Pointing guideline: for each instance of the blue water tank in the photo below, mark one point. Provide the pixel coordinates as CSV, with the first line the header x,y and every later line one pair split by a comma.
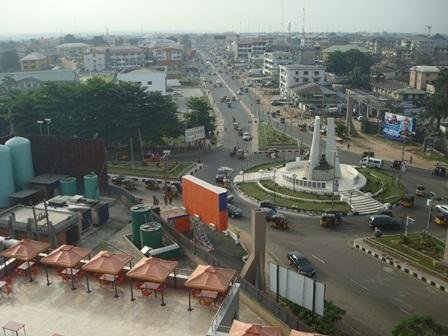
x,y
91,189
22,161
6,176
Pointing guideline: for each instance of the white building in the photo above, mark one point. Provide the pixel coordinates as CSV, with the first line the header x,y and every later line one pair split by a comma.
x,y
294,74
271,62
72,51
150,79
311,41
243,48
113,58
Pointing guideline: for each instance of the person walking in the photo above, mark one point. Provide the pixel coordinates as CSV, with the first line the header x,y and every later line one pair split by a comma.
x,y
348,146
155,200
410,159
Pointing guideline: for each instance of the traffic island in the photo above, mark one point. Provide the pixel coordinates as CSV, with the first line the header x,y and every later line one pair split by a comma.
x,y
418,254
383,187
268,137
173,170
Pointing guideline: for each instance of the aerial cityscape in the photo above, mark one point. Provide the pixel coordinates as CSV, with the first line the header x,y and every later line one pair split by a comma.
x,y
224,168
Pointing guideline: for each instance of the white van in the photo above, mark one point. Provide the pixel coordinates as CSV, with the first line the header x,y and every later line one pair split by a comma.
x,y
371,162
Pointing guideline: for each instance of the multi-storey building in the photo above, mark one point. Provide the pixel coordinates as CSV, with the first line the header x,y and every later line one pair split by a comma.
x,y
421,75
271,63
34,62
149,79
113,58
311,40
72,51
243,48
294,74
171,57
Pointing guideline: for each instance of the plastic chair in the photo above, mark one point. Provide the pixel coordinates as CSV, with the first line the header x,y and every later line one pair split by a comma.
x,y
195,293
34,270
138,284
8,280
146,293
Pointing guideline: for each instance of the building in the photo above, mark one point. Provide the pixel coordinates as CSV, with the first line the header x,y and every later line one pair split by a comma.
x,y
113,58
421,75
33,79
311,40
342,48
397,90
150,79
271,62
171,57
243,48
34,62
72,51
294,74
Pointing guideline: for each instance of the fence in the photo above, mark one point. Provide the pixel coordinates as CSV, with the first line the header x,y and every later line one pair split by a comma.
x,y
256,294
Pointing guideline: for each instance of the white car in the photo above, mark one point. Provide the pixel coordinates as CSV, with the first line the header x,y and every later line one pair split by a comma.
x,y
442,208
247,136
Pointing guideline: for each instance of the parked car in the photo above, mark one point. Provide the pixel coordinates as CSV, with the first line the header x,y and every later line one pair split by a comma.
x,y
303,265
230,197
443,208
247,136
234,212
276,103
384,222
361,118
118,180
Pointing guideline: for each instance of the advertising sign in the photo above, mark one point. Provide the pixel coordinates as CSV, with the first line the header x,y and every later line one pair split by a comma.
x,y
195,133
398,127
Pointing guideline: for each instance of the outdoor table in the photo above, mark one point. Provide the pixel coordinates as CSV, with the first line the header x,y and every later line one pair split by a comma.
x,y
207,294
25,265
13,326
107,277
150,285
68,271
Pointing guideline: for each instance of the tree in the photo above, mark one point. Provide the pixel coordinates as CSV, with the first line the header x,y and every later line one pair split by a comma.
x,y
417,325
96,108
97,41
437,107
70,38
353,64
341,129
200,114
10,60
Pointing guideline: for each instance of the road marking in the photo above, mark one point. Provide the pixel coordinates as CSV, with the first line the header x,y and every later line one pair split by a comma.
x,y
361,286
320,259
406,312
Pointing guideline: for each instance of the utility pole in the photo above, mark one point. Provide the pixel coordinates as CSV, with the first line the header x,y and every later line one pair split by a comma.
x,y
429,203
132,152
334,180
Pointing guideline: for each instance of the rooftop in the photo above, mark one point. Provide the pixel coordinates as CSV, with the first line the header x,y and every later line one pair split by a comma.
x,y
72,45
425,68
302,66
34,56
58,309
116,49
43,76
345,48
143,71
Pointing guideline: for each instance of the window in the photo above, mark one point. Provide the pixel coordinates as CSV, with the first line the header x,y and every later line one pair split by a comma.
x,y
297,72
305,72
316,73
297,80
305,79
316,80
149,82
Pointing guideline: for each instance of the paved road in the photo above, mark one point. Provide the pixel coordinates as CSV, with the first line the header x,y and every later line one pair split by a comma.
x,y
375,296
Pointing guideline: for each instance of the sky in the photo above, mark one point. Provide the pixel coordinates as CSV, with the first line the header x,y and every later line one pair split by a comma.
x,y
94,16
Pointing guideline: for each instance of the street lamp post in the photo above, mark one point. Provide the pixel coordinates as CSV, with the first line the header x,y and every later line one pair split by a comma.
x,y
334,179
40,122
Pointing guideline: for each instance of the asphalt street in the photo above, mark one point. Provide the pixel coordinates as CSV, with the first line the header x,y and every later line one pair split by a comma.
x,y
374,295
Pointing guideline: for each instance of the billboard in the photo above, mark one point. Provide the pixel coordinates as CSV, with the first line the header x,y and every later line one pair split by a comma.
x,y
398,127
297,288
195,133
205,200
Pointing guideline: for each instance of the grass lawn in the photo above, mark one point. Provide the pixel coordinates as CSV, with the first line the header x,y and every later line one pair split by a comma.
x,y
174,171
392,192
253,190
265,166
424,249
286,191
269,137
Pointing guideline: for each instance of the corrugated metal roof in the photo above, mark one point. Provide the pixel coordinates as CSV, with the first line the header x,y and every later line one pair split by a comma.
x,y
34,56
43,76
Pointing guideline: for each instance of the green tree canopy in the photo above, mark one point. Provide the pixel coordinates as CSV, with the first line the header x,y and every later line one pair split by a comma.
x,y
200,114
437,106
97,108
353,64
417,325
10,60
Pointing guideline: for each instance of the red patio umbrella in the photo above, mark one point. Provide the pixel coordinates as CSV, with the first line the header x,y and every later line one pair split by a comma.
x,y
239,328
106,262
67,256
25,250
153,270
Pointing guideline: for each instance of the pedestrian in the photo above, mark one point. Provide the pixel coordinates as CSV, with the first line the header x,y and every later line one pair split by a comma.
x,y
348,146
170,197
410,159
155,200
165,197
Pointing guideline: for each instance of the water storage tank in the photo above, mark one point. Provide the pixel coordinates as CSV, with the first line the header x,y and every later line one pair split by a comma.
x,y
22,161
6,176
91,189
67,186
140,214
151,234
